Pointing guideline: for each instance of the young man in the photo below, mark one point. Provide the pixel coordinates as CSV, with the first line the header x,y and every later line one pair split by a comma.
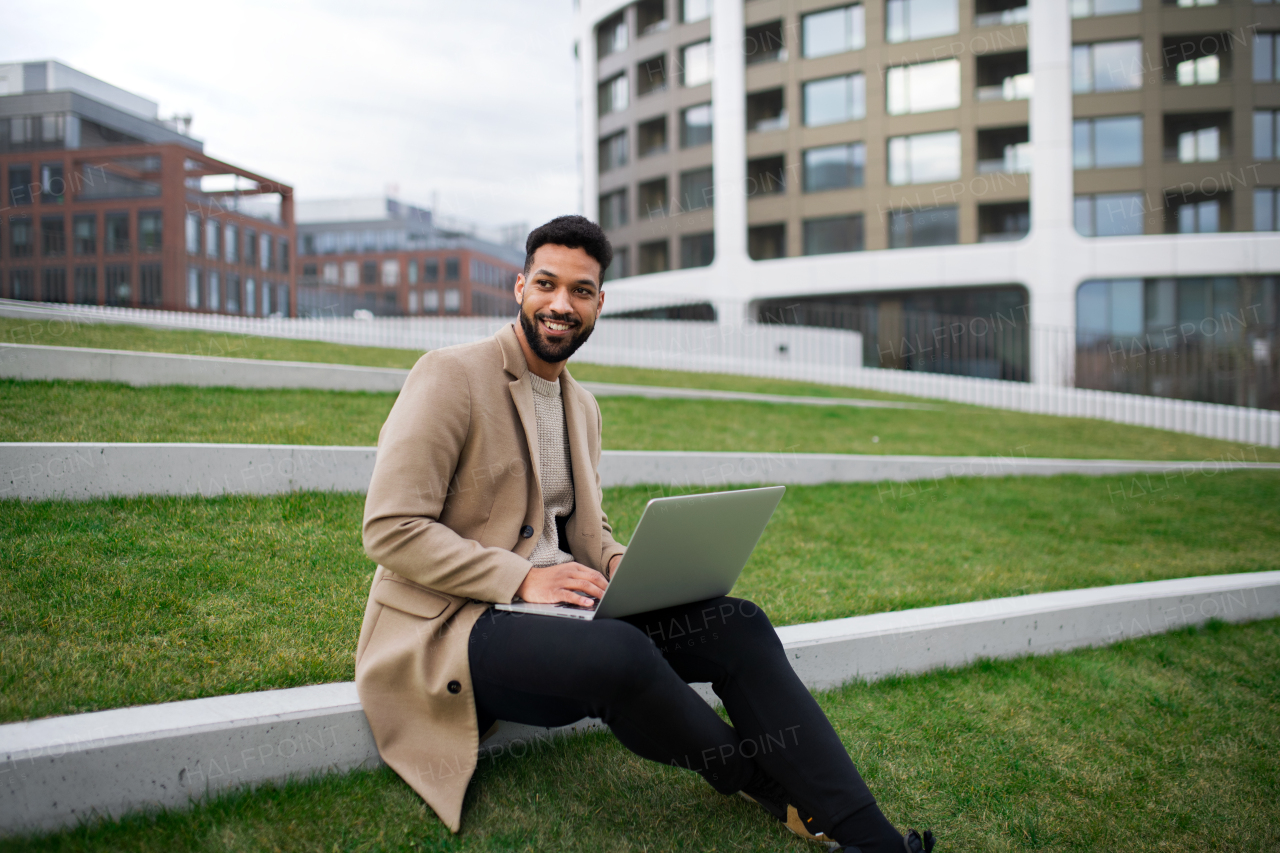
x,y
486,490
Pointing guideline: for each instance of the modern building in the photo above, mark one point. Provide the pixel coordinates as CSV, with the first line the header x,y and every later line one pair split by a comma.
x,y
105,203
1096,181
391,259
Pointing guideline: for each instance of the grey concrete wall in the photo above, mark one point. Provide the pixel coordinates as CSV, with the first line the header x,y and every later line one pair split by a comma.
x,y
86,470
61,770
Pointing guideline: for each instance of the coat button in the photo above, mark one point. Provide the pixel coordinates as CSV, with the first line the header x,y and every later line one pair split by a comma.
x,y
526,532
455,687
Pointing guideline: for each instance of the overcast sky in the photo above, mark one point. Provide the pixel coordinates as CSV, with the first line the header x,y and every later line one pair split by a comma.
x,y
471,99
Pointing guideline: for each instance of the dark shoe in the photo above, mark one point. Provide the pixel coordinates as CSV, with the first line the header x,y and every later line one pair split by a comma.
x,y
915,844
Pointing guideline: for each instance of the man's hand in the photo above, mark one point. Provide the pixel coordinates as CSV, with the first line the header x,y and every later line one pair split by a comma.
x,y
563,583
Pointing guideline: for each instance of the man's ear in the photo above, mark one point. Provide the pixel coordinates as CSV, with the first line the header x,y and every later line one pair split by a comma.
x,y
518,290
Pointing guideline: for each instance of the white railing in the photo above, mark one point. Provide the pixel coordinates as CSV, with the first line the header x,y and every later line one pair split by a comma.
x,y
786,352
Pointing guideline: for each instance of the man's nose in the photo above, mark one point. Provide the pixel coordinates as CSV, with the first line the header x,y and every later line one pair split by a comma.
x,y
560,302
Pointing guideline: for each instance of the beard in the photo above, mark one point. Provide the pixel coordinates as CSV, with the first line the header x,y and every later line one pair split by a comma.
x,y
557,351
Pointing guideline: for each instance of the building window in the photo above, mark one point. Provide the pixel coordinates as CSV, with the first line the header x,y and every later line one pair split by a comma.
x,y
369,272
233,293
1003,222
764,43
652,199
214,291
621,266
694,10
613,151
119,287
1266,141
766,111
909,20
52,189
831,234
53,284
1265,58
84,234
651,75
937,226
412,272
651,137
654,257
697,250
1004,149
613,209
923,88
22,285
1104,143
231,244
265,246
390,272
350,273
925,158
611,35
1264,209
833,31
193,287
431,301
612,95
86,285
695,125
1199,217
150,223
431,270
212,238
452,300
1108,66
766,242
1098,8
651,16
20,185
451,269
22,238
834,167
695,64
697,189
329,274
53,237
835,100
1199,146
193,233
1109,214
116,234
250,297
284,255
767,176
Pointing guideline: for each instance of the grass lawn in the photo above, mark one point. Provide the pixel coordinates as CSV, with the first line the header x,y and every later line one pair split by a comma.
x,y
80,411
1162,743
132,601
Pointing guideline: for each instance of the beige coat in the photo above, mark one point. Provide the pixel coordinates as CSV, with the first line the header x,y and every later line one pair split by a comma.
x,y
454,485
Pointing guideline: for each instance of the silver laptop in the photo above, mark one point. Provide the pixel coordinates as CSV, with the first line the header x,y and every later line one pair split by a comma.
x,y
686,548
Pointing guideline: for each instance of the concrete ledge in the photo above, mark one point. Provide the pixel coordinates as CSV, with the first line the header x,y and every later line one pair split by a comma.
x,y
87,470
59,771
83,364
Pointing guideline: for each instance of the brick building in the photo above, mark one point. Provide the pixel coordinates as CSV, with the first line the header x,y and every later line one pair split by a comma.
x,y
391,259
104,203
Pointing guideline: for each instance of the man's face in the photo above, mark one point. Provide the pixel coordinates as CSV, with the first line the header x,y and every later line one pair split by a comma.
x,y
559,301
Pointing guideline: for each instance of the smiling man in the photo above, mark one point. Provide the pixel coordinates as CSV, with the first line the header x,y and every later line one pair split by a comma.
x,y
486,490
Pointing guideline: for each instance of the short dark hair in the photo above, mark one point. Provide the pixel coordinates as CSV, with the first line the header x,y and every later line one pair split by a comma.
x,y
572,232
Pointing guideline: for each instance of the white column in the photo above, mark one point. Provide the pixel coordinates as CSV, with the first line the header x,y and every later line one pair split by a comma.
x,y
729,145
588,169
1056,251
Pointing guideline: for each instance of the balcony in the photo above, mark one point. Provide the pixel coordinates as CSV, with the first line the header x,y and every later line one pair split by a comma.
x,y
1005,150
1016,88
1015,161
766,111
1000,13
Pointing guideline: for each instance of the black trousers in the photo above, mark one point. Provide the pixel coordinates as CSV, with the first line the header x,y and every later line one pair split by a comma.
x,y
633,673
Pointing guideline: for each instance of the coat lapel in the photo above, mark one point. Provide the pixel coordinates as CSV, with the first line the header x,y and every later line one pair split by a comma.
x,y
522,396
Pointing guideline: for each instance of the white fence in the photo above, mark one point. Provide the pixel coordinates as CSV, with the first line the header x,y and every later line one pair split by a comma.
x,y
788,352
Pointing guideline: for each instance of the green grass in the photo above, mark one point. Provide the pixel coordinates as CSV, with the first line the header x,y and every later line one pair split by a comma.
x,y
80,411
73,333
132,601
1165,743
